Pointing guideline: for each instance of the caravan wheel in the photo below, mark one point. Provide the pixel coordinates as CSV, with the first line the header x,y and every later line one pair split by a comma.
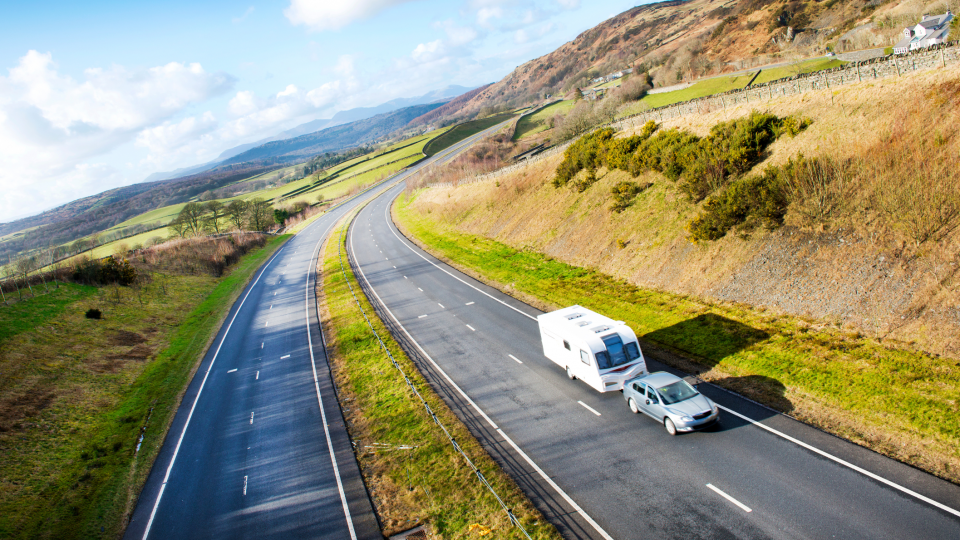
x,y
570,374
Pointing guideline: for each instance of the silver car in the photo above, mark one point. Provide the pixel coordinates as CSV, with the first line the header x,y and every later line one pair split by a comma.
x,y
670,400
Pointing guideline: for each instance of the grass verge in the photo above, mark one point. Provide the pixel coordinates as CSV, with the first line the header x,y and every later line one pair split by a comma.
x,y
898,402
539,121
77,392
462,131
414,474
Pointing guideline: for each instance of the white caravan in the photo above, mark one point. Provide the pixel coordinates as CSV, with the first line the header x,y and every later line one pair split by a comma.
x,y
595,349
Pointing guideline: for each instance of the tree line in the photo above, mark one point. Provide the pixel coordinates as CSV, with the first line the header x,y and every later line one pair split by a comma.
x,y
214,217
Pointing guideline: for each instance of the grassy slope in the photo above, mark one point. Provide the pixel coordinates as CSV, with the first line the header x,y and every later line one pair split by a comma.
x,y
537,122
430,482
848,384
891,400
69,468
462,131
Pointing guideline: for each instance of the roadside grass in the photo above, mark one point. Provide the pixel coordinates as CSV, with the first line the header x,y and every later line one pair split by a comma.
x,y
413,473
716,85
899,402
462,131
537,122
76,392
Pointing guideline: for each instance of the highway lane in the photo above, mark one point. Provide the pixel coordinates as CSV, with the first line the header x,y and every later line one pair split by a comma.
x,y
607,473
258,448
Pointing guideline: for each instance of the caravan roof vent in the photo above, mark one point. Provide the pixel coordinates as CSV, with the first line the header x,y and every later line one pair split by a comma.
x,y
599,329
584,323
574,316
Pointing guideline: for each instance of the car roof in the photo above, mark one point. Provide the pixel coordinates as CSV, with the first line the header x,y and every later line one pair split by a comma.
x,y
657,379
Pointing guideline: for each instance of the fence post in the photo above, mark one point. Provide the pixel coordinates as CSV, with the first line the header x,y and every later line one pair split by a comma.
x,y
943,61
859,78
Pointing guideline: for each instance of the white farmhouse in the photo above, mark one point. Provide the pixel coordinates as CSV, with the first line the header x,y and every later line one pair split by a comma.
x,y
931,30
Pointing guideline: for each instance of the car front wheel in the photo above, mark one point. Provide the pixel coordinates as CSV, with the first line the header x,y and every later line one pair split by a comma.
x,y
671,427
570,374
633,406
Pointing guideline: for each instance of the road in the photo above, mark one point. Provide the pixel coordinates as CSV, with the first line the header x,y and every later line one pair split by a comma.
x,y
598,471
258,447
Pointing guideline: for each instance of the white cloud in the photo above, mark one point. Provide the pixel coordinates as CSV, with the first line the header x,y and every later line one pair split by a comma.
x,y
244,16
457,36
334,14
568,4
485,15
172,136
51,125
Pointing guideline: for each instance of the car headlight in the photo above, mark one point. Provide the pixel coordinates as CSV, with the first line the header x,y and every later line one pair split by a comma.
x,y
686,419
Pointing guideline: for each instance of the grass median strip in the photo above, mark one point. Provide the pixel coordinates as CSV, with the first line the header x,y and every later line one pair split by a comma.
x,y
896,401
77,394
413,472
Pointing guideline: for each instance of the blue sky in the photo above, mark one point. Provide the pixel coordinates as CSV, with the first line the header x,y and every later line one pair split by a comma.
x,y
96,95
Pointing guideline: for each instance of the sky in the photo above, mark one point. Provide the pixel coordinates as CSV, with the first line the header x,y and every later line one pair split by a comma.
x,y
100,94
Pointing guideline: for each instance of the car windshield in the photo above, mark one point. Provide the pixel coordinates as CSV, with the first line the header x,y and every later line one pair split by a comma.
x,y
616,354
676,392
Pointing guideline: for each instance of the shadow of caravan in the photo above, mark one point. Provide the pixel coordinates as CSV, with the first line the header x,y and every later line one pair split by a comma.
x,y
708,336
595,349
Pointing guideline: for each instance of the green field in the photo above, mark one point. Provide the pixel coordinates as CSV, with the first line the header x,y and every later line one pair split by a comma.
x,y
358,171
460,132
537,122
716,85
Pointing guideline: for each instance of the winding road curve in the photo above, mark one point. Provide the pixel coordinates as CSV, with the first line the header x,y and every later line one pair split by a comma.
x,y
258,447
598,471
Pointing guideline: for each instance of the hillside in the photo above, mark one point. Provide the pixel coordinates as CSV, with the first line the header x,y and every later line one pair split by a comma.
x,y
679,41
860,264
335,138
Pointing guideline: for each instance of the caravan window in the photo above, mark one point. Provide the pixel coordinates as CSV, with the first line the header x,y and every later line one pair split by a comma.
x,y
585,357
633,352
566,345
618,354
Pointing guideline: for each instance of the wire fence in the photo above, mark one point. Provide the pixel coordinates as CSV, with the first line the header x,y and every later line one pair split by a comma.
x,y
373,301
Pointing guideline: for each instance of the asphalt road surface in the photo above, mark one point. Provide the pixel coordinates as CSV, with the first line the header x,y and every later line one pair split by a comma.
x,y
258,447
598,471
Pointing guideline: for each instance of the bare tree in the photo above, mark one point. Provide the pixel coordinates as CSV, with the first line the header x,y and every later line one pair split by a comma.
x,y
217,214
237,213
261,214
24,266
193,216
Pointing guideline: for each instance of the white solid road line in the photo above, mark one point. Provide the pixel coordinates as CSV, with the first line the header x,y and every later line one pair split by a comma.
x,y
316,384
742,506
251,418
477,408
847,464
589,408
547,479
166,476
472,328
232,370
244,485
515,358
284,357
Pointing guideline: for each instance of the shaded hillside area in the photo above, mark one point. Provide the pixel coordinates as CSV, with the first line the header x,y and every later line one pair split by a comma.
x,y
335,138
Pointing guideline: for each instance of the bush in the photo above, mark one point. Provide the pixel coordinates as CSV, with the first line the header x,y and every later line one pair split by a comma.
x,y
623,194
586,153
94,313
745,204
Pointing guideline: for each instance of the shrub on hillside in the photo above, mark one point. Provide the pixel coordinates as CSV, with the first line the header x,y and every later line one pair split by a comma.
x,y
105,271
623,195
745,204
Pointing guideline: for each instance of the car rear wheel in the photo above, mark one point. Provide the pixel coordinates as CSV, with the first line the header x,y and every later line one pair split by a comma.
x,y
570,374
671,427
633,406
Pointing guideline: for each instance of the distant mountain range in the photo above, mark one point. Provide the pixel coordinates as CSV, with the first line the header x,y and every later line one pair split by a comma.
x,y
340,118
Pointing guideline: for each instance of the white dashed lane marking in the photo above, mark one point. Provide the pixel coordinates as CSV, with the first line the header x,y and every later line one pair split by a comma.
x,y
742,506
472,328
232,370
421,317
589,408
515,358
469,303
